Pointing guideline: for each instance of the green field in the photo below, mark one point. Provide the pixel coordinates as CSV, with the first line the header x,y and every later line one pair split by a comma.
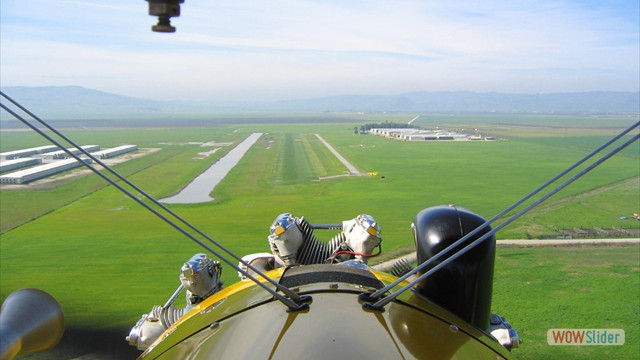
x,y
569,288
108,260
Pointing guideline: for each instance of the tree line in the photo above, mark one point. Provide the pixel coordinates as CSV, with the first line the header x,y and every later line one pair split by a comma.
x,y
385,125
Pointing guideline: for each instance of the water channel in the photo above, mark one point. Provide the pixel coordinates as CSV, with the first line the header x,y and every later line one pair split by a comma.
x,y
198,190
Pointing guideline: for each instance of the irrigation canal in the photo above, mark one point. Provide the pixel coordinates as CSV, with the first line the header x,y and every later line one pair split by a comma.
x,y
198,190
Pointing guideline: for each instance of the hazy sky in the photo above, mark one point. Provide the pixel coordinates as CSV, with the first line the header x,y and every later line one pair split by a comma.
x,y
267,50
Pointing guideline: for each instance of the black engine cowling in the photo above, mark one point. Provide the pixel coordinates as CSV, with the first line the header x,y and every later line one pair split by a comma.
x,y
463,286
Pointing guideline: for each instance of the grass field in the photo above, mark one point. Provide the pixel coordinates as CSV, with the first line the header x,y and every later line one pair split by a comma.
x,y
108,260
569,288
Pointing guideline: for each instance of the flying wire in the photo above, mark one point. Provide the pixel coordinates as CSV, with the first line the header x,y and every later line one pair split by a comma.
x,y
292,304
383,301
501,214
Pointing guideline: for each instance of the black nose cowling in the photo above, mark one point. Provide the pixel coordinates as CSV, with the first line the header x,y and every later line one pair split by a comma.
x,y
464,286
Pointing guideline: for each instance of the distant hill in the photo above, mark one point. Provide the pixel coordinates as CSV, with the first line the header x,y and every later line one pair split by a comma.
x,y
76,101
597,102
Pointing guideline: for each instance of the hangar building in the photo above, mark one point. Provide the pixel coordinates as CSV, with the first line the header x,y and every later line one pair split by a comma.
x,y
409,134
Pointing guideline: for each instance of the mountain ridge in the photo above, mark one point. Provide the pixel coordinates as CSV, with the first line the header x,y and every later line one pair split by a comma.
x,y
80,101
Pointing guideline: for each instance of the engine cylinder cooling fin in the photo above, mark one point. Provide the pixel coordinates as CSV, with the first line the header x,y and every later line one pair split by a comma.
x,y
314,251
167,315
401,267
336,244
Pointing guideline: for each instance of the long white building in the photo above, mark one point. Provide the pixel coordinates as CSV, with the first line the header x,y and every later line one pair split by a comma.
x,y
119,150
38,172
61,154
411,134
394,133
13,164
27,152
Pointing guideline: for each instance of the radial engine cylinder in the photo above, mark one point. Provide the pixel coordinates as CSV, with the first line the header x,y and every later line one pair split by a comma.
x,y
285,238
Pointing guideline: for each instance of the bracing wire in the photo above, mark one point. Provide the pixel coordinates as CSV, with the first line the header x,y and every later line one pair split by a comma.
x,y
385,300
501,214
297,301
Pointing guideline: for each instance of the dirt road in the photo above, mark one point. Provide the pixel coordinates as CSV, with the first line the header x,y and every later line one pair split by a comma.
x,y
386,266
